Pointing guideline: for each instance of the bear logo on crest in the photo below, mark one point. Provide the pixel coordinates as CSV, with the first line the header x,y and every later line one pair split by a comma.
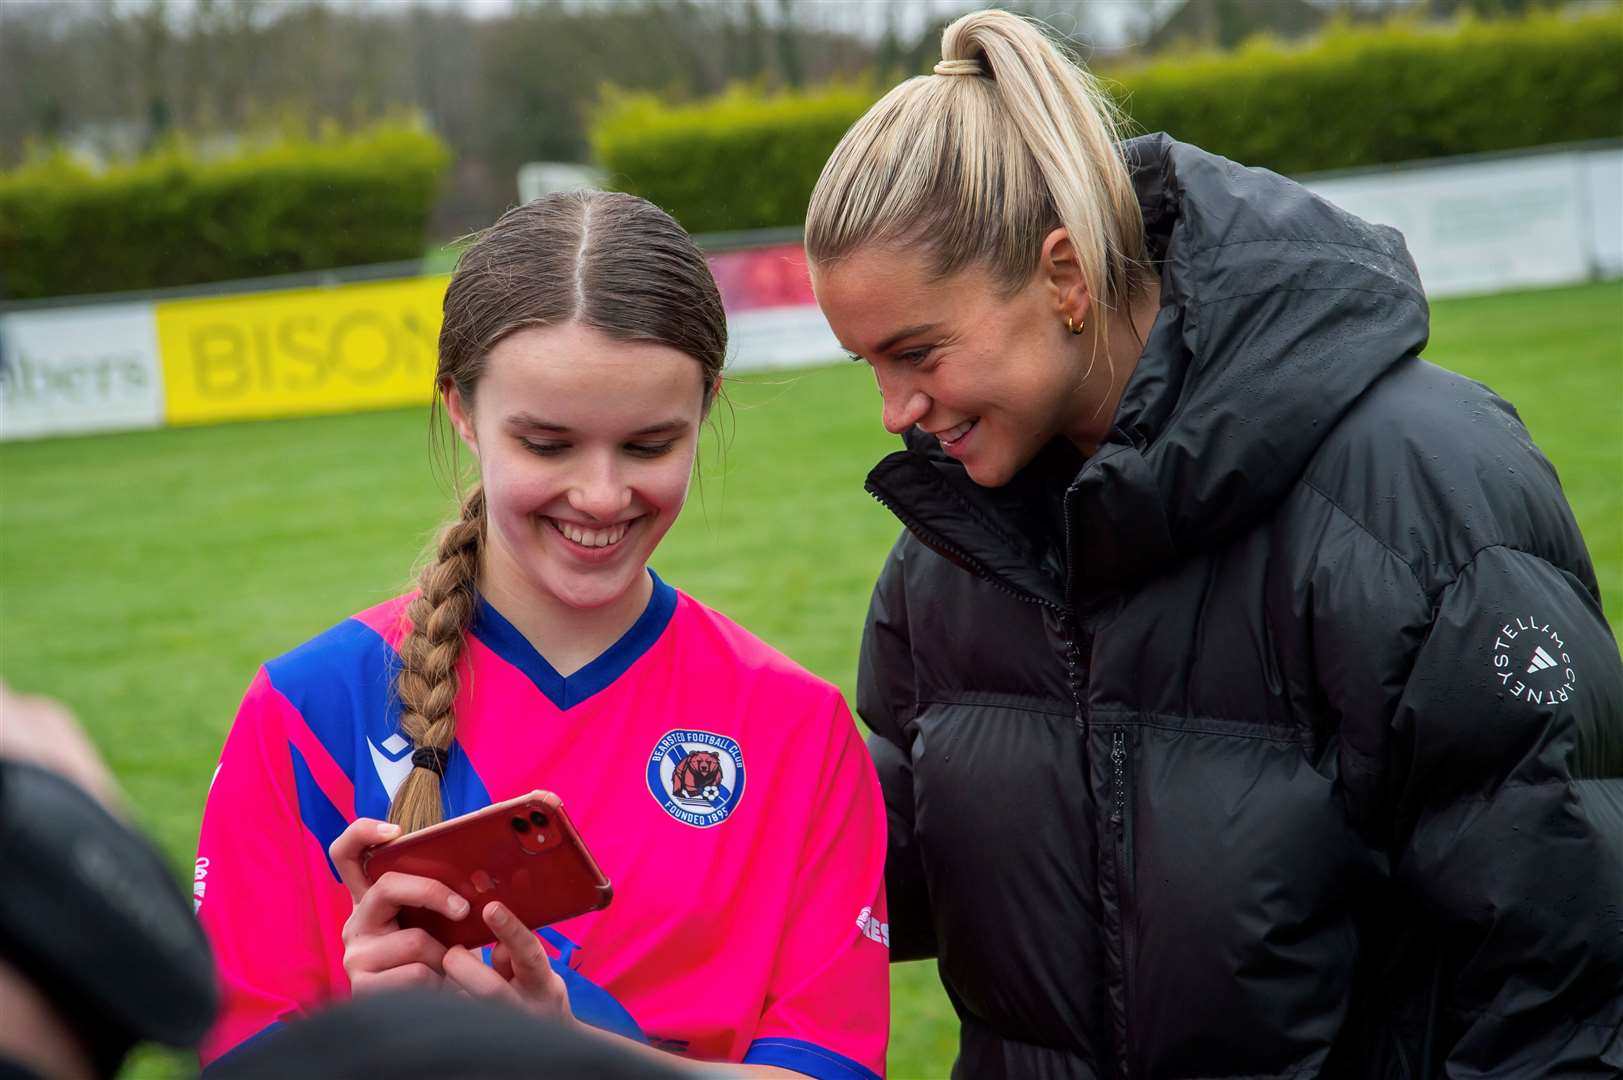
x,y
699,776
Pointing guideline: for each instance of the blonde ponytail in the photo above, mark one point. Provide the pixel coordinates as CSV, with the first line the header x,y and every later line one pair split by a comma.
x,y
427,683
980,168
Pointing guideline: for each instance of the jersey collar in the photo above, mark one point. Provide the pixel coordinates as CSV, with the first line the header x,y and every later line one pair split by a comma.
x,y
505,640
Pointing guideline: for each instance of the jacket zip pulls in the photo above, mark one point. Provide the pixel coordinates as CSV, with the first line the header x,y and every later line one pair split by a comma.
x,y
1073,651
1121,854
1118,787
1075,677
1119,813
1121,820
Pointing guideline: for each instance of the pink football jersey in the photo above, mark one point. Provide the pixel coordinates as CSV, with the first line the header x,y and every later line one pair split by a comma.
x,y
723,789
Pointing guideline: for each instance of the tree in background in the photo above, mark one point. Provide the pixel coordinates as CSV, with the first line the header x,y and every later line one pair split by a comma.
x,y
112,78
1225,24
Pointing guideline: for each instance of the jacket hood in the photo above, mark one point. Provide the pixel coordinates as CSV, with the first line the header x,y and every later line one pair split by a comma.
x,y
1278,311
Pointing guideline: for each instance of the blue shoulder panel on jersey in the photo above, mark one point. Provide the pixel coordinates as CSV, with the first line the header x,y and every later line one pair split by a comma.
x,y
317,812
505,640
800,1056
342,684
462,792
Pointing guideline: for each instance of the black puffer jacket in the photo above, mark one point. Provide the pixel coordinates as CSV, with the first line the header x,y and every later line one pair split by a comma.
x,y
1280,738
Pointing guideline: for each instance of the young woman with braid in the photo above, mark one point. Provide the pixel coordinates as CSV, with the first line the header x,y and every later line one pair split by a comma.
x,y
722,788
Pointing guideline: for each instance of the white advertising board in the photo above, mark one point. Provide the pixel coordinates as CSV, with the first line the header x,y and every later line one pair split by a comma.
x,y
79,369
1486,226
1476,226
780,337
1603,205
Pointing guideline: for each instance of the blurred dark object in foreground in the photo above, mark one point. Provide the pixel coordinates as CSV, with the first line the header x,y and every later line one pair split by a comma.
x,y
99,949
425,1033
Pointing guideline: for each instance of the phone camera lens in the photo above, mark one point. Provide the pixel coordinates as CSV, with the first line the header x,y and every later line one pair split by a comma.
x,y
520,825
538,819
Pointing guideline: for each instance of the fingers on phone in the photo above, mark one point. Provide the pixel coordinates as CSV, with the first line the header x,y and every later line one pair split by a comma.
x,y
524,949
376,910
532,972
399,948
466,971
351,845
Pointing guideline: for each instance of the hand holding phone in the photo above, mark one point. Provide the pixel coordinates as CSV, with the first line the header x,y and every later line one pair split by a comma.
x,y
519,971
524,852
378,953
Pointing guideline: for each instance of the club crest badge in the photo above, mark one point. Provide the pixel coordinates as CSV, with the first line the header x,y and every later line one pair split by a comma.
x,y
697,777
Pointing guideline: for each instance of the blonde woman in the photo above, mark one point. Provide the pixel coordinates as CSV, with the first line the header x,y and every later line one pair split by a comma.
x,y
1240,685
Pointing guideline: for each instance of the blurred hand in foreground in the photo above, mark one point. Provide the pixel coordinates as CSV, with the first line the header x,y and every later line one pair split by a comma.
x,y
42,732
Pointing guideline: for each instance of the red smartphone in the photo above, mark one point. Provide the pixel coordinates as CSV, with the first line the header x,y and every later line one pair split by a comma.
x,y
524,852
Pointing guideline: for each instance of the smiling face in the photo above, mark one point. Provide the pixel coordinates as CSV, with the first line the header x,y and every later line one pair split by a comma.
x,y
585,448
992,377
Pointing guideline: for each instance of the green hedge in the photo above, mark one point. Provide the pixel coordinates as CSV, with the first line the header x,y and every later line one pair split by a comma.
x,y
175,219
740,161
1352,97
1400,93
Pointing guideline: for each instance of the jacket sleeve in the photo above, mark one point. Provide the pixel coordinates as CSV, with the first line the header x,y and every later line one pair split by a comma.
x,y
887,700
1502,762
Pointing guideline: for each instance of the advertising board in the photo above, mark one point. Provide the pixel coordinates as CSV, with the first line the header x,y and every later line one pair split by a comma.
x,y
90,368
299,351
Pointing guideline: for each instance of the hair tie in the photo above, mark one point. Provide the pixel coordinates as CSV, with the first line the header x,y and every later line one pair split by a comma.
x,y
960,67
431,758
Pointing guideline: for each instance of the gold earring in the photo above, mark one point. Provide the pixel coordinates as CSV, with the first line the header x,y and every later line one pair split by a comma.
x,y
1073,326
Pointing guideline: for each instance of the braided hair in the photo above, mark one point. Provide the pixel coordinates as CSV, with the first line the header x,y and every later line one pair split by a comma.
x,y
611,262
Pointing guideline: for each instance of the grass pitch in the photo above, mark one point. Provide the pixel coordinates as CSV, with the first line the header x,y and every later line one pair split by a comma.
x,y
143,577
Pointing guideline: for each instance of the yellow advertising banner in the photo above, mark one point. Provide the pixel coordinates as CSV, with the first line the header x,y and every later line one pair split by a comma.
x,y
300,351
